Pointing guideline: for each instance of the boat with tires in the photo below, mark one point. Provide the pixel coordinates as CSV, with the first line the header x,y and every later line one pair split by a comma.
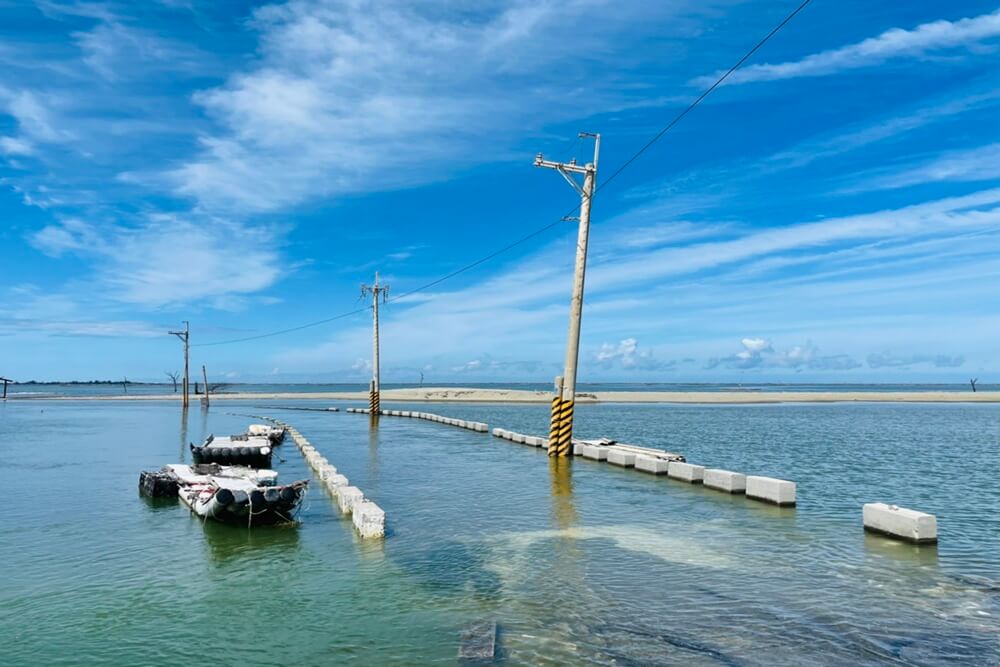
x,y
228,494
252,451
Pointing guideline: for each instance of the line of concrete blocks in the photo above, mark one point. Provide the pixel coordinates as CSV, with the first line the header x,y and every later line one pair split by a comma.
x,y
766,489
367,517
478,427
900,523
521,438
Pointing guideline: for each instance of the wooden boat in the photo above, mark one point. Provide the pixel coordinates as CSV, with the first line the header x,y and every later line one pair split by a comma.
x,y
234,450
229,494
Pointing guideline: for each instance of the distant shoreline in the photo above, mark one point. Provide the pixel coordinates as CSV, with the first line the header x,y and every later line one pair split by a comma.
x,y
474,395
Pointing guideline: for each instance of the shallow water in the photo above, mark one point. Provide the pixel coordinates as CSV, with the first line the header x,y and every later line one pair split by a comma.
x,y
579,564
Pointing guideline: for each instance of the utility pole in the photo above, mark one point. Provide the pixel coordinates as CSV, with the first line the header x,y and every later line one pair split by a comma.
x,y
185,336
378,292
204,376
5,381
561,430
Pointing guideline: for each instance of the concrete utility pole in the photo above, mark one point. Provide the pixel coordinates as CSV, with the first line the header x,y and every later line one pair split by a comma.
x,y
5,381
378,292
185,336
204,376
561,431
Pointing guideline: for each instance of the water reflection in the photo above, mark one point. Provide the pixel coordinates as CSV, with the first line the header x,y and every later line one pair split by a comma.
x,y
269,543
373,450
184,435
563,507
880,546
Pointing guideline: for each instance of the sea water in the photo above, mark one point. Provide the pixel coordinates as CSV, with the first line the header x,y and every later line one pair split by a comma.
x,y
584,563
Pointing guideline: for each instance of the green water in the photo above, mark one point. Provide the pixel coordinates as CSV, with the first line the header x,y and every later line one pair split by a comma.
x,y
593,565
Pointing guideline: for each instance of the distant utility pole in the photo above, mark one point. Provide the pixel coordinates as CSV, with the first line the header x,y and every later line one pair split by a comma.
x,y
561,430
204,376
5,381
185,336
378,292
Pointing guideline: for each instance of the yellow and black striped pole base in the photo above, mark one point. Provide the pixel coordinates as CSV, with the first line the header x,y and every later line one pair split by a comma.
x,y
561,430
374,406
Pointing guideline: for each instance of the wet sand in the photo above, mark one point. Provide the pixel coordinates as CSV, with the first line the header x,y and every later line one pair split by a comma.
x,y
473,395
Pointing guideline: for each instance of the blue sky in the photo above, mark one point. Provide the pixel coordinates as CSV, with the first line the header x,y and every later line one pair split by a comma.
x,y
832,213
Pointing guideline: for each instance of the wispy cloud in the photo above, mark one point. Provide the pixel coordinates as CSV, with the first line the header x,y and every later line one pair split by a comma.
x,y
169,260
894,43
973,164
890,360
760,353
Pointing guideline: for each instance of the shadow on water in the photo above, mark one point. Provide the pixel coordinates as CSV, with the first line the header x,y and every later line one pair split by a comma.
x,y
159,504
226,542
886,547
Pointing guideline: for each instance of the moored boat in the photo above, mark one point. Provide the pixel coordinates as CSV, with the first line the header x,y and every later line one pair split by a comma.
x,y
229,494
273,433
235,450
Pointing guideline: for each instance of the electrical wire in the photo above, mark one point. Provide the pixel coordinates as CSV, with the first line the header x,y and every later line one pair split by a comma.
x,y
541,230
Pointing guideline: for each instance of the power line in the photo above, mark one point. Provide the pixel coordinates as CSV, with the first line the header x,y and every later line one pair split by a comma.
x,y
541,230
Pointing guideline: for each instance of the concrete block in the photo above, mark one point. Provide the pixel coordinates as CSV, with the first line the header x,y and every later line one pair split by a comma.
x,y
536,441
596,453
348,497
651,464
482,428
517,437
686,472
326,471
725,480
621,458
577,450
497,432
900,523
369,519
771,490
462,423
335,482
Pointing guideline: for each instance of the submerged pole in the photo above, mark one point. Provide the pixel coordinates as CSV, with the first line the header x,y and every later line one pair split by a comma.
x,y
561,434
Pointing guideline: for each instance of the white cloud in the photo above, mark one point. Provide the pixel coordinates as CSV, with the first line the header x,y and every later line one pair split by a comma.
x,y
168,260
15,146
974,164
368,96
116,51
890,360
627,356
760,353
894,43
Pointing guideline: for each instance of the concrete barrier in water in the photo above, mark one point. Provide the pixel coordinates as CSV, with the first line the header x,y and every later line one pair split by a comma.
x,y
651,464
368,519
686,472
577,449
595,452
725,480
900,523
348,497
621,457
770,490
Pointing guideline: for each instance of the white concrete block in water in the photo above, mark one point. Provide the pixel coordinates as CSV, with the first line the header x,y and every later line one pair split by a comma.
x,y
651,464
482,428
899,522
335,482
497,432
369,519
595,452
686,471
621,458
348,497
771,490
725,480
577,450
517,437
325,471
536,441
